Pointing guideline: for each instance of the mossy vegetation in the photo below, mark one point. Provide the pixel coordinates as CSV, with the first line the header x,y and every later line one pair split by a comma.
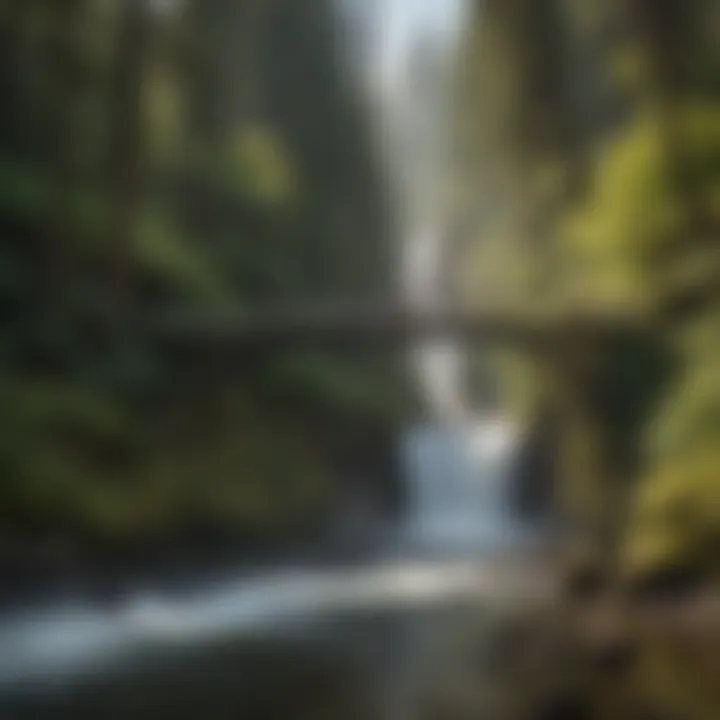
x,y
154,161
604,178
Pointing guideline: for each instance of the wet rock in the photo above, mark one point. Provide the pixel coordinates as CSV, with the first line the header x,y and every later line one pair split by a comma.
x,y
566,706
508,645
614,659
669,584
654,713
534,476
585,581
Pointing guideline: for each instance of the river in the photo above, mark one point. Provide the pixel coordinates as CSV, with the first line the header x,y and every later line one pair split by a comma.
x,y
387,630
395,636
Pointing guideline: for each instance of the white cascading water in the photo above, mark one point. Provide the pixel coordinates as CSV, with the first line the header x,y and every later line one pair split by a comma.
x,y
456,465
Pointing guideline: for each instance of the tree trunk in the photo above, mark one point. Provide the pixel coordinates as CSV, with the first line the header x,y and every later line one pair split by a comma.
x,y
584,465
127,150
64,61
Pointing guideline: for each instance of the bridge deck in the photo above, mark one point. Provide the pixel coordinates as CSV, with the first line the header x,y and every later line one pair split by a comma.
x,y
346,326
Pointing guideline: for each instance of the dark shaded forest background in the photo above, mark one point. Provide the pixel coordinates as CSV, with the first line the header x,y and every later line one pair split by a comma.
x,y
168,158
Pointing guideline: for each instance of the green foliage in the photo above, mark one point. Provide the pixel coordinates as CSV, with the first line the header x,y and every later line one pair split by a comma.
x,y
630,209
24,191
364,389
690,416
175,161
633,210
51,433
676,515
257,166
161,250
593,157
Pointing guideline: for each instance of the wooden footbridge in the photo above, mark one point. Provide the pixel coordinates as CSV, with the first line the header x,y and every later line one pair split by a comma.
x,y
236,332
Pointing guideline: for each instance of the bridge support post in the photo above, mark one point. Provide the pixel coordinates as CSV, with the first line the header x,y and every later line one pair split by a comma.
x,y
584,483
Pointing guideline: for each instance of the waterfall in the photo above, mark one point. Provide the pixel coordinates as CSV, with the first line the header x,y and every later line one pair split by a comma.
x,y
408,64
456,464
408,60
